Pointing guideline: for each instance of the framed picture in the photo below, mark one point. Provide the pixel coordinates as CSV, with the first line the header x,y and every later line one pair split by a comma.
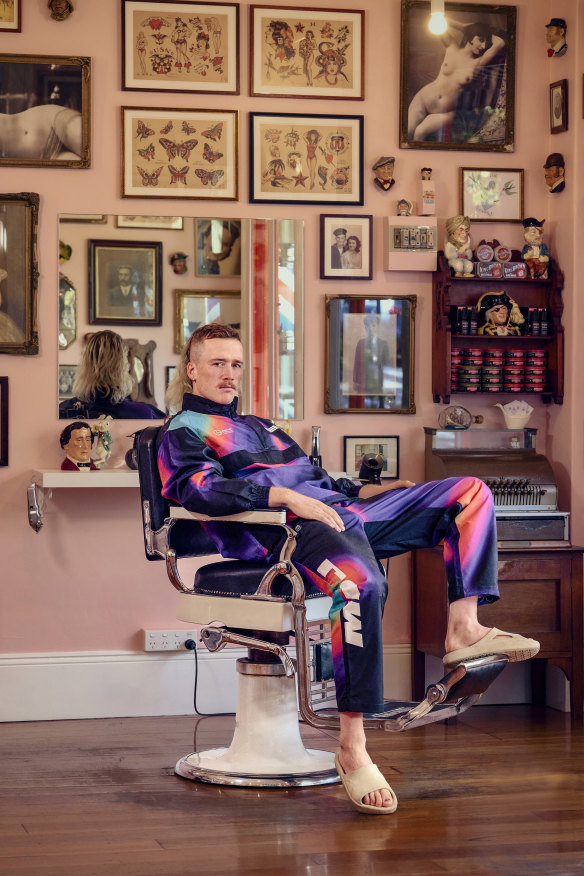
x,y
95,218
67,374
457,89
304,52
218,247
47,98
169,373
18,273
176,153
370,354
186,46
298,159
172,223
559,106
346,247
356,446
10,13
195,308
125,282
491,194
3,421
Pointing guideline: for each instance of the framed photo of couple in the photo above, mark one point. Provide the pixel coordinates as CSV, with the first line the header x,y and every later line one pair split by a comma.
x,y
457,88
346,247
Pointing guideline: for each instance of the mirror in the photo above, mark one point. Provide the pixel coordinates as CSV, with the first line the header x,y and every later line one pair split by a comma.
x,y
247,272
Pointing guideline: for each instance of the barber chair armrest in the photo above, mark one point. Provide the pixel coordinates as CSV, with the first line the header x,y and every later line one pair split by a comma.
x,y
277,515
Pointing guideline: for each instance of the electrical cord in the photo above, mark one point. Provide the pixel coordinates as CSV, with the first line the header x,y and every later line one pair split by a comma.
x,y
191,645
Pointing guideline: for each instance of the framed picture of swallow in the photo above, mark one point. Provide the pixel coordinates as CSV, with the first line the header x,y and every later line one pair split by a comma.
x,y
306,52
177,153
168,46
10,16
306,159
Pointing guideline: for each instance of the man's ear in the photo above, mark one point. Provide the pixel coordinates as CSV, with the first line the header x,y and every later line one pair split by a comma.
x,y
191,371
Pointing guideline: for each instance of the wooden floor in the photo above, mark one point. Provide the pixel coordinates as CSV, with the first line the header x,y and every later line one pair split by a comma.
x,y
500,792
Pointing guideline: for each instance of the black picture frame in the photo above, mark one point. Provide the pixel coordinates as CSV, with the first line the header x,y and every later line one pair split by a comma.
x,y
320,159
559,106
480,117
55,93
109,262
3,421
356,446
358,264
19,273
365,375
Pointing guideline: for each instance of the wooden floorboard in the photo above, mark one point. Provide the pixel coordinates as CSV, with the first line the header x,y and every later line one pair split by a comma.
x,y
499,792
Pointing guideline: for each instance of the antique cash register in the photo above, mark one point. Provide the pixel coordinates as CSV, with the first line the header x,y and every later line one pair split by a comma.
x,y
521,480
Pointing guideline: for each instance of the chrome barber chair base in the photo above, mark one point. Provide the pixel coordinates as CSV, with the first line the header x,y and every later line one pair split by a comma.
x,y
267,749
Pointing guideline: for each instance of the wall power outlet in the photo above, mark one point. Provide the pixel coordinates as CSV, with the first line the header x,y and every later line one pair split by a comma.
x,y
167,640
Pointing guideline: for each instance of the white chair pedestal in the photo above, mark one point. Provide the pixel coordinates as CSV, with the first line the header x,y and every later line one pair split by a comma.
x,y
266,750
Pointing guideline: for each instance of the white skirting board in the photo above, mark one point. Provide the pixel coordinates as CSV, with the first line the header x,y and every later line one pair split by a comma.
x,y
44,687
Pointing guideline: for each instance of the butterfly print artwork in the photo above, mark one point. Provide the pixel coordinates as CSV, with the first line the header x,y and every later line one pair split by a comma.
x,y
209,176
209,155
215,132
143,131
167,128
186,128
149,179
181,150
147,153
178,175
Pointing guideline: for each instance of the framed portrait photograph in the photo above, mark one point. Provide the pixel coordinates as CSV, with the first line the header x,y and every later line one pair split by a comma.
x,y
18,273
168,46
559,106
304,52
346,247
491,194
46,99
218,247
195,308
356,446
370,354
457,89
10,16
3,421
67,374
179,153
162,223
298,159
125,282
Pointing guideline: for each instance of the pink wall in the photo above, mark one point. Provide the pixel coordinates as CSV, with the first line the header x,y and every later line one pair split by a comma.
x,y
83,584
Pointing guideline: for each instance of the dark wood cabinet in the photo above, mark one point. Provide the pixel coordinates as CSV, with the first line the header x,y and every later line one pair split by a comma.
x,y
541,596
451,292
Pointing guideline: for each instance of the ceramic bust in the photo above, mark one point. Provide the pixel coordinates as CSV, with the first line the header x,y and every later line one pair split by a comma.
x,y
383,169
427,192
457,247
60,9
555,35
555,172
76,440
535,253
498,314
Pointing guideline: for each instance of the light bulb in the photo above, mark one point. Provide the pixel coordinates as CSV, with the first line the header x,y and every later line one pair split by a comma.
x,y
437,23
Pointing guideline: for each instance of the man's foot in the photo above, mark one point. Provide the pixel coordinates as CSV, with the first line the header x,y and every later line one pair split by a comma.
x,y
365,785
494,641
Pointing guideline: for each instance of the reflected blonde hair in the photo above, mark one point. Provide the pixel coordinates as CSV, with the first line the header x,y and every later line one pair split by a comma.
x,y
103,369
180,383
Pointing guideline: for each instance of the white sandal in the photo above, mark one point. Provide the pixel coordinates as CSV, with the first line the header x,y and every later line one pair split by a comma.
x,y
364,781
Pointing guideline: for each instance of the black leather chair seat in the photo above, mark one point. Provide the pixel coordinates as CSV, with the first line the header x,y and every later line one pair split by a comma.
x,y
240,577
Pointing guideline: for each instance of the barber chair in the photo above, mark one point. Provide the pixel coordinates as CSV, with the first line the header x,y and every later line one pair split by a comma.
x,y
261,608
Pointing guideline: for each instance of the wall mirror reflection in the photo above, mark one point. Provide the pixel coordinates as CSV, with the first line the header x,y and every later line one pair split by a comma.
x,y
258,286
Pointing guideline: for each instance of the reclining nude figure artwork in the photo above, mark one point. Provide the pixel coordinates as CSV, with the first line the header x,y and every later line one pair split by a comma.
x,y
214,461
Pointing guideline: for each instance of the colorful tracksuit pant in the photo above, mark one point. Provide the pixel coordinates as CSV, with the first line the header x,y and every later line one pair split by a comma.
x,y
344,565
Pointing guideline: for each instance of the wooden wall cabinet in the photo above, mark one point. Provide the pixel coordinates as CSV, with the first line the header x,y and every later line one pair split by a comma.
x,y
449,291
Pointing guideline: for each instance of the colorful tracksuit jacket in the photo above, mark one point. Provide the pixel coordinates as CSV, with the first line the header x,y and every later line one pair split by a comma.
x,y
214,461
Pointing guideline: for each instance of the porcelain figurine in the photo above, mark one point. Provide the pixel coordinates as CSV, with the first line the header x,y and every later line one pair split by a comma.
x,y
383,169
556,37
457,248
178,260
103,445
427,192
555,172
500,314
404,207
60,9
76,440
535,253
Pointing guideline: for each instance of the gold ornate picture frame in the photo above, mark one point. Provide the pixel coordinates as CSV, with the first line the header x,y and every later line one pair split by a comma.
x,y
19,273
10,16
195,307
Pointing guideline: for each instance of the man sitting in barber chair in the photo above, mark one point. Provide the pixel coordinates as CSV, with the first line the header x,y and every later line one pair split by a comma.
x,y
213,461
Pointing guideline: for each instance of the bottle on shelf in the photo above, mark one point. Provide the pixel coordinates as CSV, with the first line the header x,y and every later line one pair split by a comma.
x,y
315,457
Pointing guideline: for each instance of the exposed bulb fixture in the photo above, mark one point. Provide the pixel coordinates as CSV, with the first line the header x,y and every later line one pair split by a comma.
x,y
437,23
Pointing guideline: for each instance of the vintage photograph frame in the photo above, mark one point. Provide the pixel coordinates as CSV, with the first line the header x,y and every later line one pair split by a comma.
x,y
480,117
320,159
19,273
187,46
218,247
196,156
303,52
356,446
355,260
195,307
370,354
11,17
67,375
492,194
54,92
125,282
3,421
559,106
161,223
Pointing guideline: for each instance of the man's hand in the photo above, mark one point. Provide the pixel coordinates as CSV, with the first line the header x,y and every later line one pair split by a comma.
x,y
369,491
305,506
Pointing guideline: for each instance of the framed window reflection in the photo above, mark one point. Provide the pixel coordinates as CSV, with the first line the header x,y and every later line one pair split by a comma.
x,y
370,354
201,308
